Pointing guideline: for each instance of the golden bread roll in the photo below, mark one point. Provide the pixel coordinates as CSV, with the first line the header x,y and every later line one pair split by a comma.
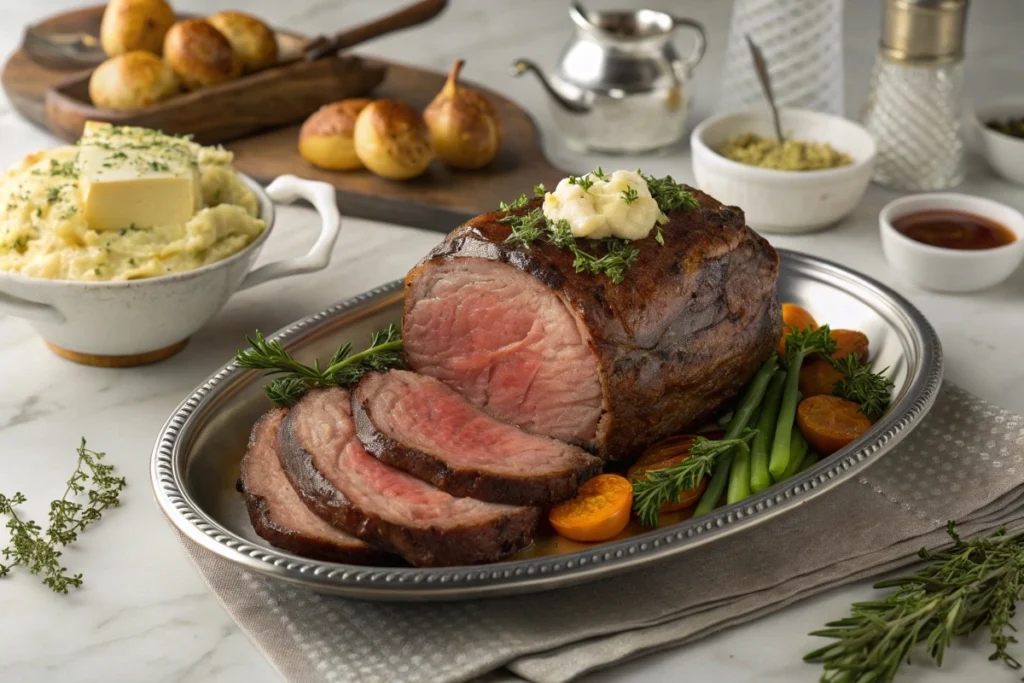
x,y
129,25
133,80
326,137
392,140
250,38
200,54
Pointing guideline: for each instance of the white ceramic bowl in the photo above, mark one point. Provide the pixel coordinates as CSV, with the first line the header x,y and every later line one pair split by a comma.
x,y
152,318
1004,153
784,201
951,270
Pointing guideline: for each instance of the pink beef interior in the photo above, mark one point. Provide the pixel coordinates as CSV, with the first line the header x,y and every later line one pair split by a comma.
x,y
326,431
265,477
422,413
508,343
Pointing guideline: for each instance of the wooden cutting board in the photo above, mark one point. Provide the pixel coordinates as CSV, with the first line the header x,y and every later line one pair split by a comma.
x,y
439,200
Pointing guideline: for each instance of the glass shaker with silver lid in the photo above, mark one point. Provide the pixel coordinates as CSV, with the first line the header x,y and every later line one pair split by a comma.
x,y
913,108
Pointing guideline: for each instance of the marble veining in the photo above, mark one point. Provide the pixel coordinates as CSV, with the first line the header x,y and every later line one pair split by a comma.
x,y
144,614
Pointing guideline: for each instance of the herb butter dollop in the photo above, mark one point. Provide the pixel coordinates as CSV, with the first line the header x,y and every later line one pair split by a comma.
x,y
599,205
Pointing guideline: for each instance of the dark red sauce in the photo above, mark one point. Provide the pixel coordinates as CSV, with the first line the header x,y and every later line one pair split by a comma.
x,y
954,230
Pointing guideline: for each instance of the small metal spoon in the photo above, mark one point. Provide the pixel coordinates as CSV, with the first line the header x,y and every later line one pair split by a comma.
x,y
766,82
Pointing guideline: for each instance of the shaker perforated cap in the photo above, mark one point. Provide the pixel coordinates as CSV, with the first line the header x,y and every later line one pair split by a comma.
x,y
924,31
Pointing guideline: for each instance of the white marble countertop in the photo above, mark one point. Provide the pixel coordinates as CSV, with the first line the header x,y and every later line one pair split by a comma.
x,y
144,613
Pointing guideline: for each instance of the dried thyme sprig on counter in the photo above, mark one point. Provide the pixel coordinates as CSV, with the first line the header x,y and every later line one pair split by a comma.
x,y
293,379
39,550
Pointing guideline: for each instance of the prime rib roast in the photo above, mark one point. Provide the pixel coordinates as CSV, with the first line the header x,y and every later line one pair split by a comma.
x,y
609,367
517,366
418,424
386,507
279,515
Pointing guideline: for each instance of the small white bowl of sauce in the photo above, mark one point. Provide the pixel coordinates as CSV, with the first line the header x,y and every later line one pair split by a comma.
x,y
949,242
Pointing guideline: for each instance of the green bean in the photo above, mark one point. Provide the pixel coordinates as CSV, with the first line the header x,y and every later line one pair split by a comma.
x,y
752,398
760,479
798,451
809,461
739,473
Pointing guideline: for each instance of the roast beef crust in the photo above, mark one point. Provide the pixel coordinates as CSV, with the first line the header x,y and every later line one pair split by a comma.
x,y
530,491
678,338
421,547
290,539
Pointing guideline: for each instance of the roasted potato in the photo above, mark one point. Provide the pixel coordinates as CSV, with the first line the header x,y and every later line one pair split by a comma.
x,y
134,80
326,138
392,140
200,54
250,38
130,25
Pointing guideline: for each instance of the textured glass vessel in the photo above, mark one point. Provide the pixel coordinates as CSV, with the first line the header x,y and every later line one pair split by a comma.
x,y
913,112
802,42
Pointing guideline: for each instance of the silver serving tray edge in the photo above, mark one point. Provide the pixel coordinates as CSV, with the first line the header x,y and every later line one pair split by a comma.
x,y
195,459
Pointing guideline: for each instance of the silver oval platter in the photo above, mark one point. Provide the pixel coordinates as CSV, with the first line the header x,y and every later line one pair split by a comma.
x,y
196,457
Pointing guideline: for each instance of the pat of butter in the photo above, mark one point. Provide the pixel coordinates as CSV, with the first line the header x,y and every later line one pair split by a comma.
x,y
618,204
136,177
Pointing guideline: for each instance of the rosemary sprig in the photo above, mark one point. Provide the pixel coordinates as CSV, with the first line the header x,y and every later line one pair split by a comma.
x,y
293,379
872,390
39,551
973,585
665,485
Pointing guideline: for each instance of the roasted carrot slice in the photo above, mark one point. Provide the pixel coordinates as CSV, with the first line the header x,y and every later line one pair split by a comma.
x,y
829,422
668,453
599,511
850,341
818,377
794,317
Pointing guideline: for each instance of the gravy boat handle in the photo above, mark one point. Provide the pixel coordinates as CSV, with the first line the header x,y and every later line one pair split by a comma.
x,y
288,188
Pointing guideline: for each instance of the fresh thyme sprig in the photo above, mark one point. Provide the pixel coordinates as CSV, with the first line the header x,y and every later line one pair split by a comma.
x,y
669,194
973,585
630,195
660,486
617,259
872,390
343,369
39,551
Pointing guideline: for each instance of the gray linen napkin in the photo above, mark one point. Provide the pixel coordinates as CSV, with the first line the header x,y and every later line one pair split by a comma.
x,y
964,462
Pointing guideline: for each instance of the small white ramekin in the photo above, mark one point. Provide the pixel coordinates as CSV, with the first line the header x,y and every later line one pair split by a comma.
x,y
1004,153
139,321
784,201
951,270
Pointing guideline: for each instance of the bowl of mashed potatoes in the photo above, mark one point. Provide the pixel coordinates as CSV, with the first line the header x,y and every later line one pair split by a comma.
x,y
119,248
808,181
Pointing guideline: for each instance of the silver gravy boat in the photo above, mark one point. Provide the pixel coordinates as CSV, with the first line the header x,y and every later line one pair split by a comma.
x,y
620,86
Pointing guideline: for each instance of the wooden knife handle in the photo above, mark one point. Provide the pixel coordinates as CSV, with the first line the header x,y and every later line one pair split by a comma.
x,y
414,14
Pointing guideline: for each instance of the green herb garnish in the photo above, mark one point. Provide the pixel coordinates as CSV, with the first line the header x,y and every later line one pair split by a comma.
x,y
872,390
293,379
39,551
52,195
669,194
630,195
660,486
973,585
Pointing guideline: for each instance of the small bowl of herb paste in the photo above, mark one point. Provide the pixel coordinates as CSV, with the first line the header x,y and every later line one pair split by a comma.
x,y
999,129
808,181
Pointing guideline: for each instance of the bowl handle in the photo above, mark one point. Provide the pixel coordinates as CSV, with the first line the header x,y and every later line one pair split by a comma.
x,y
288,188
23,308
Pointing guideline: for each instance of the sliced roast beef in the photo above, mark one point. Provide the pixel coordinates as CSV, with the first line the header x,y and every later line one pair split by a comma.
x,y
279,515
612,367
420,425
352,490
